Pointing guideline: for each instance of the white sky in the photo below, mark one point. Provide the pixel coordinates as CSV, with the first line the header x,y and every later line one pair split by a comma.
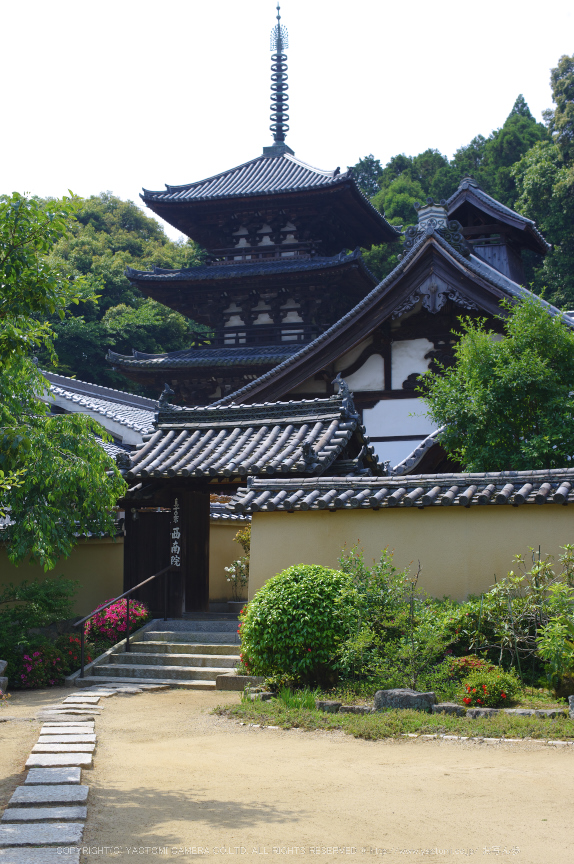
x,y
120,94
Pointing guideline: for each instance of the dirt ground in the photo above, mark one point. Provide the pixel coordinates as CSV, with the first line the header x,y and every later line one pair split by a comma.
x,y
172,781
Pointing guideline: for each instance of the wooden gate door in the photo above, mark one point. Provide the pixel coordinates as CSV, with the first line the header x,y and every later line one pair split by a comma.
x,y
146,551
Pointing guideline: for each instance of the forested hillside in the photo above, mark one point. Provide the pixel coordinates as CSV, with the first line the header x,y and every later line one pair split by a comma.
x,y
526,165
108,236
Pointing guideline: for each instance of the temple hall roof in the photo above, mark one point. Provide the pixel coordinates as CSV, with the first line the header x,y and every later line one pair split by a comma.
x,y
372,310
303,437
108,406
419,491
469,191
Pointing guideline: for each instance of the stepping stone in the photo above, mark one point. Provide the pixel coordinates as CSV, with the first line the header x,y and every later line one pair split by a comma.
x,y
69,724
49,794
52,776
92,700
53,715
57,834
59,760
46,855
128,692
67,730
63,748
67,739
45,814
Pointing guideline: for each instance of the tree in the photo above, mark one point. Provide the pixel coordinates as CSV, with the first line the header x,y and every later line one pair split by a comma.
x,y
561,120
544,179
507,403
367,172
30,290
58,482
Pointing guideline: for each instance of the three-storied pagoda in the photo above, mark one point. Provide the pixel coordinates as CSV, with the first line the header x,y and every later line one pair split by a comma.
x,y
279,271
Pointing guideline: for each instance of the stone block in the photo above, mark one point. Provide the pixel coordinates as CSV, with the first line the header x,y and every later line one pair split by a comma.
x,y
261,697
404,698
67,728
550,712
53,776
45,814
3,664
520,712
355,709
482,712
47,855
89,700
67,739
59,760
449,708
4,684
49,795
63,748
327,705
230,681
571,707
56,834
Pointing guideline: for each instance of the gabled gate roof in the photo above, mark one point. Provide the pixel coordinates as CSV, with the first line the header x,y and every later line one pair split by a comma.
x,y
307,437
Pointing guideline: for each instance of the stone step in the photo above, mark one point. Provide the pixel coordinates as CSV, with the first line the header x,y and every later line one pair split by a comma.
x,y
42,855
53,777
45,814
201,648
191,684
48,795
125,670
199,625
54,834
219,637
218,661
60,760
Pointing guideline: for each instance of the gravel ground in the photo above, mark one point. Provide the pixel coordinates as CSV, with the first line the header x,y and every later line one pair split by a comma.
x,y
174,782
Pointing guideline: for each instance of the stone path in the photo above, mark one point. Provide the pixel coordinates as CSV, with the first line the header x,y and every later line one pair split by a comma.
x,y
49,811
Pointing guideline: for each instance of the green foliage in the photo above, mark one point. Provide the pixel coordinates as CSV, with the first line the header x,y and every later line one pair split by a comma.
x,y
556,648
367,173
490,688
298,699
507,402
460,667
24,610
68,484
31,287
561,120
109,236
296,622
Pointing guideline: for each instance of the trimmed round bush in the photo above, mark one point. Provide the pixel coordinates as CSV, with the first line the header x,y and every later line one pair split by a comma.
x,y
296,621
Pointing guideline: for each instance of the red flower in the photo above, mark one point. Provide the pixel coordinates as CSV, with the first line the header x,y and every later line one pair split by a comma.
x,y
467,701
503,695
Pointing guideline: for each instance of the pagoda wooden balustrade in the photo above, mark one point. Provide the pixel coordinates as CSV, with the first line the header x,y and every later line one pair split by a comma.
x,y
115,600
262,334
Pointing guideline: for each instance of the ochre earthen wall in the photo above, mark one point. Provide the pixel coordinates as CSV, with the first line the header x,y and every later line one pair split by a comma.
x,y
460,549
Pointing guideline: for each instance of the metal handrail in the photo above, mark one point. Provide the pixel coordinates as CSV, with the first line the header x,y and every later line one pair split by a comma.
x,y
115,600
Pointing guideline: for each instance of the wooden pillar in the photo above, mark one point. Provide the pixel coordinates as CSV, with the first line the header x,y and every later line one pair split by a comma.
x,y
194,508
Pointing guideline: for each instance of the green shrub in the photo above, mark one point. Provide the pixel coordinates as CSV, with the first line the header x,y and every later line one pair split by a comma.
x,y
556,648
490,688
296,622
24,610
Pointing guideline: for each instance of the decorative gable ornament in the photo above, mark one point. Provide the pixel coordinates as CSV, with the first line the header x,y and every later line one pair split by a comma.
x,y
434,218
434,293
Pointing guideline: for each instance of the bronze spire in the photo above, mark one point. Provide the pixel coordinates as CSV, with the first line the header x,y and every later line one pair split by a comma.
x,y
279,87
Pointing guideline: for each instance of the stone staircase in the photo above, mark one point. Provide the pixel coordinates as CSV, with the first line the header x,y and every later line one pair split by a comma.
x,y
179,652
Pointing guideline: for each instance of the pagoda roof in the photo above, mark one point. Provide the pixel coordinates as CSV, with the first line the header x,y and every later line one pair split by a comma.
x,y
242,355
489,286
276,177
418,491
265,175
249,269
296,437
470,192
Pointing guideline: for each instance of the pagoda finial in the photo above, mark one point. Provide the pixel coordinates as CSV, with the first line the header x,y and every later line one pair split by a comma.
x,y
279,86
